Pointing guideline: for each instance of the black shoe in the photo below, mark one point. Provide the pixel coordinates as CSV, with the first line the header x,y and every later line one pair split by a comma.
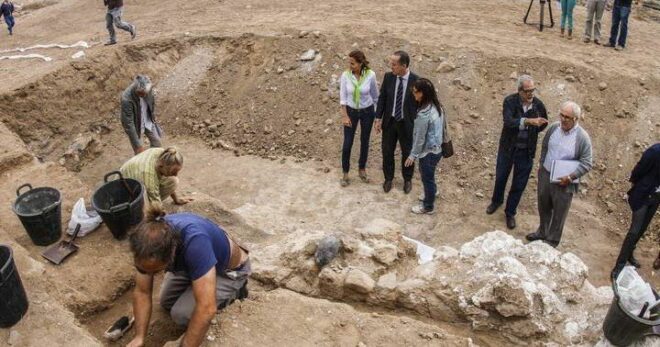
x,y
609,44
407,186
387,186
634,262
492,208
511,222
110,43
533,237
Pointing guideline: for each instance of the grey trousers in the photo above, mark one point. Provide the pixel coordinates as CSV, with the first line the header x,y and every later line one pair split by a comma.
x,y
112,19
154,139
176,294
554,202
595,9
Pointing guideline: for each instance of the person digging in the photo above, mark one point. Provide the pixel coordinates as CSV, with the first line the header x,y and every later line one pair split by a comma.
x,y
157,170
205,272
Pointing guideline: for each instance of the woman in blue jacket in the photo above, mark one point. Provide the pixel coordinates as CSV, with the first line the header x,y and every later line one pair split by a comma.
x,y
427,141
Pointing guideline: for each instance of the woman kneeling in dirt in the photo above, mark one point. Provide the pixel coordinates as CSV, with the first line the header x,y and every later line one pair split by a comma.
x,y
157,169
358,97
205,271
427,141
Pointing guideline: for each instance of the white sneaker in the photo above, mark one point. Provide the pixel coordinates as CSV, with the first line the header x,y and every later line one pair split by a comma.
x,y
419,209
421,195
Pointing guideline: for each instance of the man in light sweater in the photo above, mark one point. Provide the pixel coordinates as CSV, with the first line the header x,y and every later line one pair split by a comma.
x,y
564,140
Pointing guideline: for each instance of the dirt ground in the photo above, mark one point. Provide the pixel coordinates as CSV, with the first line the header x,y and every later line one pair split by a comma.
x,y
261,132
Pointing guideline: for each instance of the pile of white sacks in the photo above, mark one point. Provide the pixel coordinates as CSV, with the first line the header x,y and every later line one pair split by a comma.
x,y
526,292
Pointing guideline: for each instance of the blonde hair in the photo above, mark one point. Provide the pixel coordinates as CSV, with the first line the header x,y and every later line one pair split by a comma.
x,y
170,157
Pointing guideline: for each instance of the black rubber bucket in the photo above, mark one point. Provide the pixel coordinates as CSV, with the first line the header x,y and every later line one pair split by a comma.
x,y
621,327
13,301
120,203
40,211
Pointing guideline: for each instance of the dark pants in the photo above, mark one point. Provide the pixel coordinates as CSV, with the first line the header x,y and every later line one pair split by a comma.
x,y
397,132
522,163
10,23
640,222
365,117
620,16
427,166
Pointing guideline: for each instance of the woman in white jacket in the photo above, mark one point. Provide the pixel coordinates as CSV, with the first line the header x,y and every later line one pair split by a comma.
x,y
427,141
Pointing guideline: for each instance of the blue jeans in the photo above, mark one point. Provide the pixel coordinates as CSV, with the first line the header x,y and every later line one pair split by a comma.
x,y
522,163
365,117
427,166
10,23
620,16
567,7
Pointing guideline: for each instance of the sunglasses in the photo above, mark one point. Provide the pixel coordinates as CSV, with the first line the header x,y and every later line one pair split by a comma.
x,y
529,91
565,117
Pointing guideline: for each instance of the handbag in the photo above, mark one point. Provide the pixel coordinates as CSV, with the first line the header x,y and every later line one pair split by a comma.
x,y
447,146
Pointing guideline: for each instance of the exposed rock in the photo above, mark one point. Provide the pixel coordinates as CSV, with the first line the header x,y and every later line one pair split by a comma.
x,y
385,253
327,250
513,76
445,67
309,55
570,78
359,281
602,86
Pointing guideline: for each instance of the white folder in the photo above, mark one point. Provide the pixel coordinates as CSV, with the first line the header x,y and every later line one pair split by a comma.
x,y
563,168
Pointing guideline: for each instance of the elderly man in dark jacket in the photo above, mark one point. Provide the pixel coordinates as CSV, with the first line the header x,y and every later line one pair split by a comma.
x,y
138,114
525,117
113,17
644,199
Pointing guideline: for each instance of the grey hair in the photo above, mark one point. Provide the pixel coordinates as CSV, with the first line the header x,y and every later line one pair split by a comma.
x,y
522,79
577,110
143,83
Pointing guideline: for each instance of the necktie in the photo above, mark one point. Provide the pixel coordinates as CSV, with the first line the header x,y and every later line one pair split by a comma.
x,y
398,110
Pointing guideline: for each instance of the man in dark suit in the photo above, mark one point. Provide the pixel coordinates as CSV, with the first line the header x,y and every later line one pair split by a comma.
x,y
395,117
525,117
644,199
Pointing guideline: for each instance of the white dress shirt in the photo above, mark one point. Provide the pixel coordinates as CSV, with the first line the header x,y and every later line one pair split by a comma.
x,y
404,79
368,90
146,121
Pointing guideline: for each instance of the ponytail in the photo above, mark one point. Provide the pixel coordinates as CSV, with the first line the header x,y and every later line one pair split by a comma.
x,y
154,238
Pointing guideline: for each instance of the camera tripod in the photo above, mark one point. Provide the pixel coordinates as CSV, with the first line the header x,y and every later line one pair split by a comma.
x,y
543,2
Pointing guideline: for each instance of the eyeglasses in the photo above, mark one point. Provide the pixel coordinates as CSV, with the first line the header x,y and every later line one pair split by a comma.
x,y
565,117
529,91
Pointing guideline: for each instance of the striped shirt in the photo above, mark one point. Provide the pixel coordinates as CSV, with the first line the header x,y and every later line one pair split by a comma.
x,y
561,146
142,167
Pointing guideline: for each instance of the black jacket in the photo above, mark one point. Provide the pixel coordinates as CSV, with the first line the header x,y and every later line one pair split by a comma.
x,y
386,101
512,111
112,4
645,178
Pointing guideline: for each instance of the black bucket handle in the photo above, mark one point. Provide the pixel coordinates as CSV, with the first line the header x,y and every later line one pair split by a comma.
x,y
131,194
105,178
18,191
7,269
117,208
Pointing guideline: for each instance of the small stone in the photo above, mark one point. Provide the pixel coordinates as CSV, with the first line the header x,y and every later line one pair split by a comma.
x,y
309,55
291,132
280,70
570,78
214,321
445,67
327,250
303,33
602,86
610,207
14,338
298,122
328,121
316,33
513,76
359,281
479,195
474,115
361,344
210,337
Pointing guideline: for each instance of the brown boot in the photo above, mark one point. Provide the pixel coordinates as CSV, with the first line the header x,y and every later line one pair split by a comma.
x,y
570,34
562,32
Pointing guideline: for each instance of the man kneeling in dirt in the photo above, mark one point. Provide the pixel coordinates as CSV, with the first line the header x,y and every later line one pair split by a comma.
x,y
206,271
138,115
157,170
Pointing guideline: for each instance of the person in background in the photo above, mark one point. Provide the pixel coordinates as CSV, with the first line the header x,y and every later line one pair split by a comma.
x,y
157,170
206,271
113,19
358,97
620,14
564,140
644,199
567,7
7,10
138,114
524,117
595,10
427,141
395,117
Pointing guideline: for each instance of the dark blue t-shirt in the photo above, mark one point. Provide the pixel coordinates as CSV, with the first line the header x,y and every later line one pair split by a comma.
x,y
204,245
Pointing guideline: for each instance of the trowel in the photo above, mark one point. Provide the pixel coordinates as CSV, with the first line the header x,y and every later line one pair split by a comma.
x,y
59,252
